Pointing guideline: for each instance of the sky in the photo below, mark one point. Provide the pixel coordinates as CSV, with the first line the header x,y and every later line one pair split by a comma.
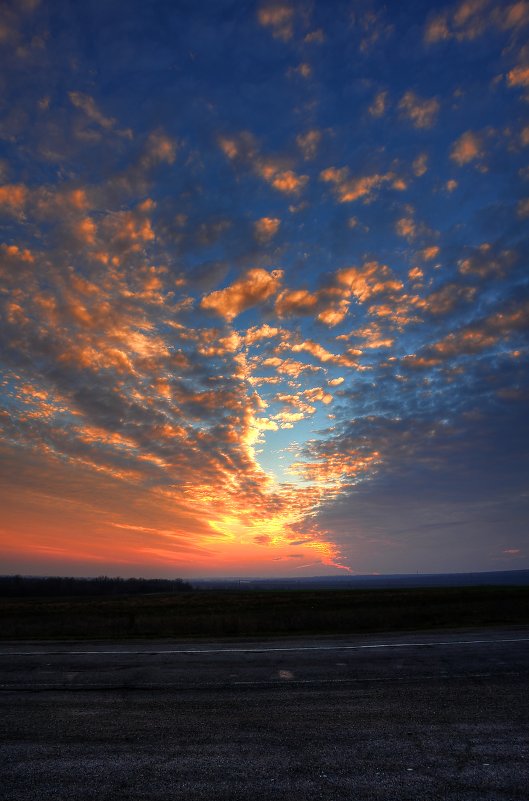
x,y
263,287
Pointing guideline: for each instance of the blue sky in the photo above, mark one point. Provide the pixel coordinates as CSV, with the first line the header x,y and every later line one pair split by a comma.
x,y
264,294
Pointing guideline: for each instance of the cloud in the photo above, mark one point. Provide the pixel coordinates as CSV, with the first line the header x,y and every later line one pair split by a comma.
x,y
470,19
475,337
447,298
415,274
406,227
88,105
159,149
279,18
308,143
429,253
256,286
266,228
422,113
379,104
286,181
303,70
373,27
322,354
369,280
242,149
523,208
13,198
487,260
296,301
328,305
349,189
467,148
420,165
263,332
519,76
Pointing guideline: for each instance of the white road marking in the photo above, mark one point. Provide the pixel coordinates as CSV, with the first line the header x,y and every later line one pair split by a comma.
x,y
266,650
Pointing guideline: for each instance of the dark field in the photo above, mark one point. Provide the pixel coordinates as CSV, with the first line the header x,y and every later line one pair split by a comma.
x,y
270,613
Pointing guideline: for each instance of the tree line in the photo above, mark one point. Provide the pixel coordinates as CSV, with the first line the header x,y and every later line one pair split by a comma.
x,y
61,586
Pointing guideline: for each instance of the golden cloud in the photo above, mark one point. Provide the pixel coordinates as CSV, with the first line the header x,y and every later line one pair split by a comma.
x,y
256,286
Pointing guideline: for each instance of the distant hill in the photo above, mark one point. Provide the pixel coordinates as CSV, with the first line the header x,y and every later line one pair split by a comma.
x,y
509,578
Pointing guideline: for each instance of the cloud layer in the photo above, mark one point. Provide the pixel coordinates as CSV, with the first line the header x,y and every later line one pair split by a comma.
x,y
263,288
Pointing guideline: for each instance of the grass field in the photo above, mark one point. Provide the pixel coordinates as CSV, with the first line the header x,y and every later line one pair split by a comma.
x,y
214,614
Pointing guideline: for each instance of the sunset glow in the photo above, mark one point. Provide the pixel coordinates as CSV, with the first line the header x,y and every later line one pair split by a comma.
x,y
264,287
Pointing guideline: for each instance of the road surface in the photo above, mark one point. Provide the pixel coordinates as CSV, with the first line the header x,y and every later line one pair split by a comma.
x,y
441,716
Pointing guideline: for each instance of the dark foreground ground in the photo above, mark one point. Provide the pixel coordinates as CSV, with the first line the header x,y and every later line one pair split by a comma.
x,y
441,716
262,613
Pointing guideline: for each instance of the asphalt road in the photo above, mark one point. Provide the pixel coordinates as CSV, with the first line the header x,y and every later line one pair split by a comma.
x,y
433,716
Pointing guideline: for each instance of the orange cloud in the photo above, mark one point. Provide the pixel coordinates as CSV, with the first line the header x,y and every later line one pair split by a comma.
x,y
266,228
349,189
264,331
336,469
420,165
467,148
485,262
279,18
308,143
286,181
320,353
519,76
327,305
296,301
378,106
406,228
447,298
159,149
369,280
474,338
472,18
13,198
421,112
523,208
335,313
437,30
88,105
289,367
303,70
427,254
16,254
256,286
243,148
315,37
